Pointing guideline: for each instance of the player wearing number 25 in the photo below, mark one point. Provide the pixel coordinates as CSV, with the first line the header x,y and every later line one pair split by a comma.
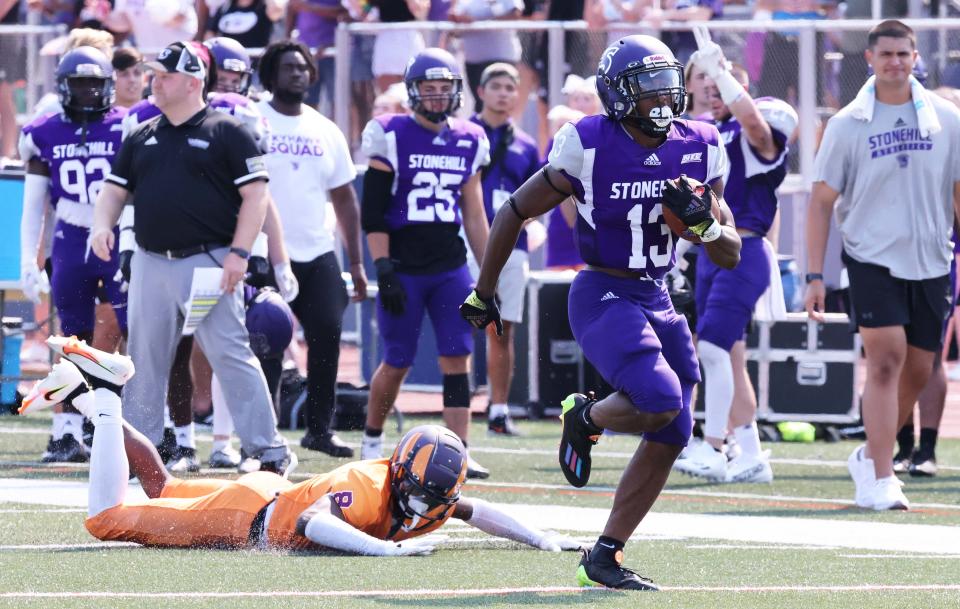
x,y
68,155
423,180
619,309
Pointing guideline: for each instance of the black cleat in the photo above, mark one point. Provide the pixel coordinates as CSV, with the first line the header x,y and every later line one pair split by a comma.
x,y
168,444
604,574
328,443
502,426
923,464
577,439
65,450
475,471
283,467
183,459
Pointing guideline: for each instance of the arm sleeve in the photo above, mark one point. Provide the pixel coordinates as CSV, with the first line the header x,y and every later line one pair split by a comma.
x,y
344,171
121,172
244,158
35,189
566,155
327,530
376,143
377,185
831,163
494,521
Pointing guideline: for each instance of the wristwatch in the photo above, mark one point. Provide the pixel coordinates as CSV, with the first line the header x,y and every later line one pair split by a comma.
x,y
239,251
814,277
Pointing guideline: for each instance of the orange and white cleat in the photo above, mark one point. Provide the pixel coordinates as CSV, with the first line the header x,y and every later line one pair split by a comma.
x,y
64,379
110,367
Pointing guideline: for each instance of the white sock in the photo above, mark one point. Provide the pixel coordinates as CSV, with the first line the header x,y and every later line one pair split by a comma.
x,y
219,445
185,436
86,404
222,421
59,420
718,388
371,447
167,421
499,410
748,437
109,468
73,425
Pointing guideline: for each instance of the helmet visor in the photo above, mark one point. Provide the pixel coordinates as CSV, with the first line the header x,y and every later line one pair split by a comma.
x,y
645,82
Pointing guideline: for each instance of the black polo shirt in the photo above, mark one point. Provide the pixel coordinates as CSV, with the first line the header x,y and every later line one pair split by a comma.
x,y
185,179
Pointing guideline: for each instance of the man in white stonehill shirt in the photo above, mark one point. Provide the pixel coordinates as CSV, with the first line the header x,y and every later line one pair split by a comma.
x,y
310,161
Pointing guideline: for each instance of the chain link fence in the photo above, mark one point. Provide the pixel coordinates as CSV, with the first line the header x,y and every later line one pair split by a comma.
x,y
24,68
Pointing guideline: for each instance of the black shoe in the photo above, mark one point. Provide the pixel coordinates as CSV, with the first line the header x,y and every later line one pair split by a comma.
x,y
502,426
283,467
168,444
577,439
475,471
901,462
184,459
610,575
923,464
328,443
65,450
204,420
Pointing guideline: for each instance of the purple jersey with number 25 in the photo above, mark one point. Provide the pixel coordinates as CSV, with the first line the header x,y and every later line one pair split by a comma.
x,y
429,169
619,186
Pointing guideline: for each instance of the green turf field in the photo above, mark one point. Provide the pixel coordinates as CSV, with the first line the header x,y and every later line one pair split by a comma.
x,y
811,567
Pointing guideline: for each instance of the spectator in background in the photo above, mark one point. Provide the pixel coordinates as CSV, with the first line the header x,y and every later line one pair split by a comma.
x,y
391,101
13,67
129,76
315,22
153,24
682,43
393,48
698,99
249,22
483,48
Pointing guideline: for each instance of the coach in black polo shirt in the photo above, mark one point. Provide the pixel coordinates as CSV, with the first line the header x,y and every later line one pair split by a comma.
x,y
200,200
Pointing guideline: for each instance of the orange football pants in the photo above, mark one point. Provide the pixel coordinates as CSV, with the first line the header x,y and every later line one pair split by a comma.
x,y
191,513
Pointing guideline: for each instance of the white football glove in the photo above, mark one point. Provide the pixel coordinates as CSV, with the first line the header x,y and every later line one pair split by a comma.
x,y
557,542
411,547
287,282
34,282
709,56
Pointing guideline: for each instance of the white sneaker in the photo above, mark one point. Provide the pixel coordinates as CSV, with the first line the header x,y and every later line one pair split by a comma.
x,y
64,379
954,373
746,468
703,462
888,495
371,448
110,367
226,457
864,477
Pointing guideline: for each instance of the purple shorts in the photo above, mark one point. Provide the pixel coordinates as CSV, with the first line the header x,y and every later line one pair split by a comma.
x,y
77,276
726,298
629,331
440,295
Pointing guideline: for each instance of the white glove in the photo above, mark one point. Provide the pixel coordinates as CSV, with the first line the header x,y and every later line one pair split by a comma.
x,y
287,282
556,542
709,57
34,282
411,547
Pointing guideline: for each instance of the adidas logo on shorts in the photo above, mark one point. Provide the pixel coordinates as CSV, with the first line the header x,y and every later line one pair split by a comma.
x,y
609,296
652,161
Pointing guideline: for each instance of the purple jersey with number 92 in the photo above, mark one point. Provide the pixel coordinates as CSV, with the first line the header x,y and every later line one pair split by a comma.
x,y
429,169
619,187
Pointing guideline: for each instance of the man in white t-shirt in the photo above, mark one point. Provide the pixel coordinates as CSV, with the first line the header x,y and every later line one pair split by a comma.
x,y
899,179
310,162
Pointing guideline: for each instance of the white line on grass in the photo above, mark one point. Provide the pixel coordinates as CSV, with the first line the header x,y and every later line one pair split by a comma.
x,y
906,557
733,546
70,546
479,591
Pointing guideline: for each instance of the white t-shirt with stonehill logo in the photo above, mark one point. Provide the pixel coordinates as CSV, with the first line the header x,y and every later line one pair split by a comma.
x,y
307,156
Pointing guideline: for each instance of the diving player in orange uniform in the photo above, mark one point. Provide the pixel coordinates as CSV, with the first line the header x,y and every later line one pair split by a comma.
x,y
378,507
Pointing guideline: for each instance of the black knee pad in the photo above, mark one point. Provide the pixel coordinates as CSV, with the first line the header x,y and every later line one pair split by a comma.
x,y
456,391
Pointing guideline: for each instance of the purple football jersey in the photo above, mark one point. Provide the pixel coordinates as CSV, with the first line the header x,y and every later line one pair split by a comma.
x,y
429,168
619,186
77,169
234,104
751,182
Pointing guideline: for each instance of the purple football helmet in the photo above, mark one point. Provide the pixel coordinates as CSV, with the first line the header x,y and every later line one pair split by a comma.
x,y
433,64
269,322
427,469
641,67
85,83
231,57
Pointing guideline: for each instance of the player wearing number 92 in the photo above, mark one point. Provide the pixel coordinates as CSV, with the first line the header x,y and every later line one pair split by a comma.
x,y
68,155
617,168
424,176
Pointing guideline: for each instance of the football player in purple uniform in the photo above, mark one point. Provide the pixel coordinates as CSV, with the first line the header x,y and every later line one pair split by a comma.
x,y
623,168
68,154
424,177
755,133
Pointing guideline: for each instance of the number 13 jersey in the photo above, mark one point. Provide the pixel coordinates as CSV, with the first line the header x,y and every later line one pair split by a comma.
x,y
619,185
429,171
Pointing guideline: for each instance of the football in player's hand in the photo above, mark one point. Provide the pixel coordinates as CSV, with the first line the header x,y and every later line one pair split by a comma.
x,y
676,224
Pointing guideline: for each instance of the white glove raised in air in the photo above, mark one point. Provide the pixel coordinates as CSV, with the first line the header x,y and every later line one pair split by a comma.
x,y
34,282
709,57
557,542
287,283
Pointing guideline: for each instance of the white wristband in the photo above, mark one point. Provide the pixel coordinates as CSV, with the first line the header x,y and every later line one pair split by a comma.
x,y
730,89
712,233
